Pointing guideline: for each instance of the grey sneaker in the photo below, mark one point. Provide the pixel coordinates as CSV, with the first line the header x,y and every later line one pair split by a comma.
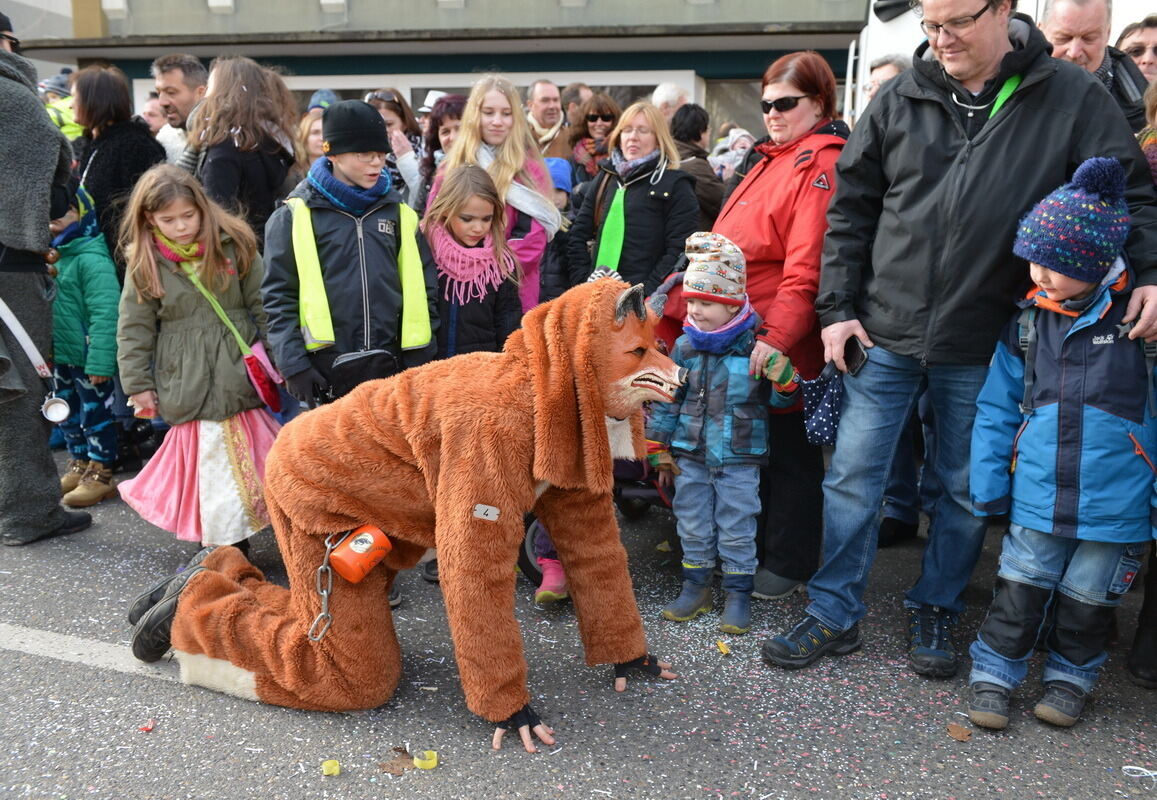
x,y
988,705
1062,704
769,586
395,597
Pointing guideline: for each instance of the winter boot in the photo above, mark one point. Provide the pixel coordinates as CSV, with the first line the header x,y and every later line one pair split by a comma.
x,y
1142,663
95,485
736,617
553,586
72,474
695,599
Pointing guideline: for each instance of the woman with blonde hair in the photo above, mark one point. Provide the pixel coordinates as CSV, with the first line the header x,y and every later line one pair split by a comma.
x,y
242,135
495,135
643,207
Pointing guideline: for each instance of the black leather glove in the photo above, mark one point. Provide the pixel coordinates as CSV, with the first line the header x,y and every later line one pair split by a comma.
x,y
305,386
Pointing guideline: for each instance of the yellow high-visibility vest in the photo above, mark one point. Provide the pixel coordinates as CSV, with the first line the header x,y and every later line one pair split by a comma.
x,y
313,304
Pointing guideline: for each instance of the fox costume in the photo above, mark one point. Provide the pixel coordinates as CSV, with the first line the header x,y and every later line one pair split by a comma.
x,y
447,455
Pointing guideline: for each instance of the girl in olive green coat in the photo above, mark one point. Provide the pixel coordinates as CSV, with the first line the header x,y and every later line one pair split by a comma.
x,y
178,359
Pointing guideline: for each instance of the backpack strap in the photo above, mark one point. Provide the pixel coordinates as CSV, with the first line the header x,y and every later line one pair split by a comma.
x,y
1027,339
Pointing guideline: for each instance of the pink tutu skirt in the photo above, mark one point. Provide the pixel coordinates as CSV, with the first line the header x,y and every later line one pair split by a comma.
x,y
205,481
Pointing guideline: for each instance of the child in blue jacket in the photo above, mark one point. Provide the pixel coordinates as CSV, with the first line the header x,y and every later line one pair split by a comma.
x,y
1064,442
716,429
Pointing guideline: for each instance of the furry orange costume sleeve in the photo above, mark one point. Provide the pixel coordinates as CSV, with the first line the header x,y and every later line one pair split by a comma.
x,y
428,456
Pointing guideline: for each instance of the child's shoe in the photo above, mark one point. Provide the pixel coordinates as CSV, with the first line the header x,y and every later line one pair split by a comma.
x,y
73,473
95,485
553,586
695,599
1062,704
736,617
988,705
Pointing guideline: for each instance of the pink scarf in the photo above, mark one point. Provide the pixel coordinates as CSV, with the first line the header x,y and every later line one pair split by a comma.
x,y
471,272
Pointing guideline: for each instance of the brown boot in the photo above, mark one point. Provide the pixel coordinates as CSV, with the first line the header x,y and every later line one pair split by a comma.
x,y
72,475
96,485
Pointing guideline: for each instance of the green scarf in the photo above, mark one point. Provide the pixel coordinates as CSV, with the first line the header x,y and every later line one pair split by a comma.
x,y
614,228
182,252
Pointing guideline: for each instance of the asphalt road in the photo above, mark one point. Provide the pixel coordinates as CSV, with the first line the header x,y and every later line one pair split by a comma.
x,y
857,727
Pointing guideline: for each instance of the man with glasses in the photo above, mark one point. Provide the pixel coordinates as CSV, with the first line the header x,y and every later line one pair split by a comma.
x,y
36,160
1079,32
918,266
1139,41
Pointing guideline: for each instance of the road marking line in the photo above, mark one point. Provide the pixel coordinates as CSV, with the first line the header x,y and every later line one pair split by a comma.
x,y
75,650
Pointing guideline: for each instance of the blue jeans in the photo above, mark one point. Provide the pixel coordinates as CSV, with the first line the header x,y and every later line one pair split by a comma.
x,y
876,407
715,510
911,489
1093,573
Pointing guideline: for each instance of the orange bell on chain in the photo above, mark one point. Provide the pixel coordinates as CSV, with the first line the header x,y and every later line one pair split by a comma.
x,y
360,552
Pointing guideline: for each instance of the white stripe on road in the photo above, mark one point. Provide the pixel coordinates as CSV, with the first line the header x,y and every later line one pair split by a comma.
x,y
88,652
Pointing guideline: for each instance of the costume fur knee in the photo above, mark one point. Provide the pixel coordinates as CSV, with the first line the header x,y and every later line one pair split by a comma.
x,y
448,455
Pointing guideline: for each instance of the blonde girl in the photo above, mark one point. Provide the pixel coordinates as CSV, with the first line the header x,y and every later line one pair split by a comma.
x,y
478,275
495,135
178,359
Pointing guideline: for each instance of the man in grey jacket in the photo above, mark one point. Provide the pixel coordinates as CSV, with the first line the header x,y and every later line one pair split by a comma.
x,y
918,267
35,159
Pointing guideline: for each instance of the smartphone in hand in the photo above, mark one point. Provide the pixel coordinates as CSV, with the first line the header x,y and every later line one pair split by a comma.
x,y
855,356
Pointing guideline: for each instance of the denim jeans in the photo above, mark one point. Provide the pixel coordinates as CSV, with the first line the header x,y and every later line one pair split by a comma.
x,y
1094,573
715,510
911,489
877,405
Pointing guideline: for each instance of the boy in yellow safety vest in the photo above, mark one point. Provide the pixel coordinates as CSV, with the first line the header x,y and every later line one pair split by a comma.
x,y
350,284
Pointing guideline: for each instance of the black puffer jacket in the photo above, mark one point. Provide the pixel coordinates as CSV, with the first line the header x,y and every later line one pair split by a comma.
x,y
251,181
919,247
479,325
359,259
110,166
1129,87
661,211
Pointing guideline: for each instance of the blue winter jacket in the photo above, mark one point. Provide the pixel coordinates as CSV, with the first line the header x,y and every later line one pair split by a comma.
x,y
719,416
1079,463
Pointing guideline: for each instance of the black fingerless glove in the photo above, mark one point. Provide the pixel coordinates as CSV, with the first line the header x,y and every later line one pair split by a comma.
x,y
523,716
646,663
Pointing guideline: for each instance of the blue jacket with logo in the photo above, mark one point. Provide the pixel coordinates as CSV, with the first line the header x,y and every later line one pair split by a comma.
x,y
1079,462
719,415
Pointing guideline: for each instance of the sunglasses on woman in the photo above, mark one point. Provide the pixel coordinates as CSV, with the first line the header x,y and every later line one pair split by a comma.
x,y
782,104
384,97
603,117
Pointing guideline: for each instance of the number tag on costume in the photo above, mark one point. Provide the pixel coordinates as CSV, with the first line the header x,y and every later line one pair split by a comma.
x,y
386,226
488,513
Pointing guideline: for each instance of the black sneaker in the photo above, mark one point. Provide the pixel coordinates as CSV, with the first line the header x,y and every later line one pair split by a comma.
x,y
893,531
151,596
930,649
988,705
74,522
151,635
810,639
1062,704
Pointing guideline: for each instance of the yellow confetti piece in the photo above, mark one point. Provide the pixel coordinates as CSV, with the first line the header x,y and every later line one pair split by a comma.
x,y
427,759
723,648
330,767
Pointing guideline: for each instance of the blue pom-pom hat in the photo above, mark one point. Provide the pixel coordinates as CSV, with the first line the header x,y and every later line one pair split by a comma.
x,y
1079,229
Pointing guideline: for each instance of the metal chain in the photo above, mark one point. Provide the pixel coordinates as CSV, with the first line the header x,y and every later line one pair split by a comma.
x,y
323,582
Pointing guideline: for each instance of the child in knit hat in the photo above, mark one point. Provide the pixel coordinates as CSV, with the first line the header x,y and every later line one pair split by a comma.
x,y
1064,442
716,429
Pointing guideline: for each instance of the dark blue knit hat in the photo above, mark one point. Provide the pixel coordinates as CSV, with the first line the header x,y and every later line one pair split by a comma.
x,y
1079,229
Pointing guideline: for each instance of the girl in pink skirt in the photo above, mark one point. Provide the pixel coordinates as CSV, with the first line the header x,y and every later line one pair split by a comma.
x,y
178,359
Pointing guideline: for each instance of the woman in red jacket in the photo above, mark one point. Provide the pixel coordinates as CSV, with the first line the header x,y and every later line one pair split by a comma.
x,y
777,217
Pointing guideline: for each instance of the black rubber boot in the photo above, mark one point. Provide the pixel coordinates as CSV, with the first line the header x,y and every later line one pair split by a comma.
x,y
695,599
736,617
1142,663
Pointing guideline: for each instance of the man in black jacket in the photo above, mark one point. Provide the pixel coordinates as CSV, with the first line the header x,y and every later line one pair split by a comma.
x,y
918,266
36,159
1079,32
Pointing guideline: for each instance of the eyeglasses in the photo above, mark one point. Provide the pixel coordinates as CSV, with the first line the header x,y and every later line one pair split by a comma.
x,y
1139,50
369,158
12,40
954,27
782,104
603,117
